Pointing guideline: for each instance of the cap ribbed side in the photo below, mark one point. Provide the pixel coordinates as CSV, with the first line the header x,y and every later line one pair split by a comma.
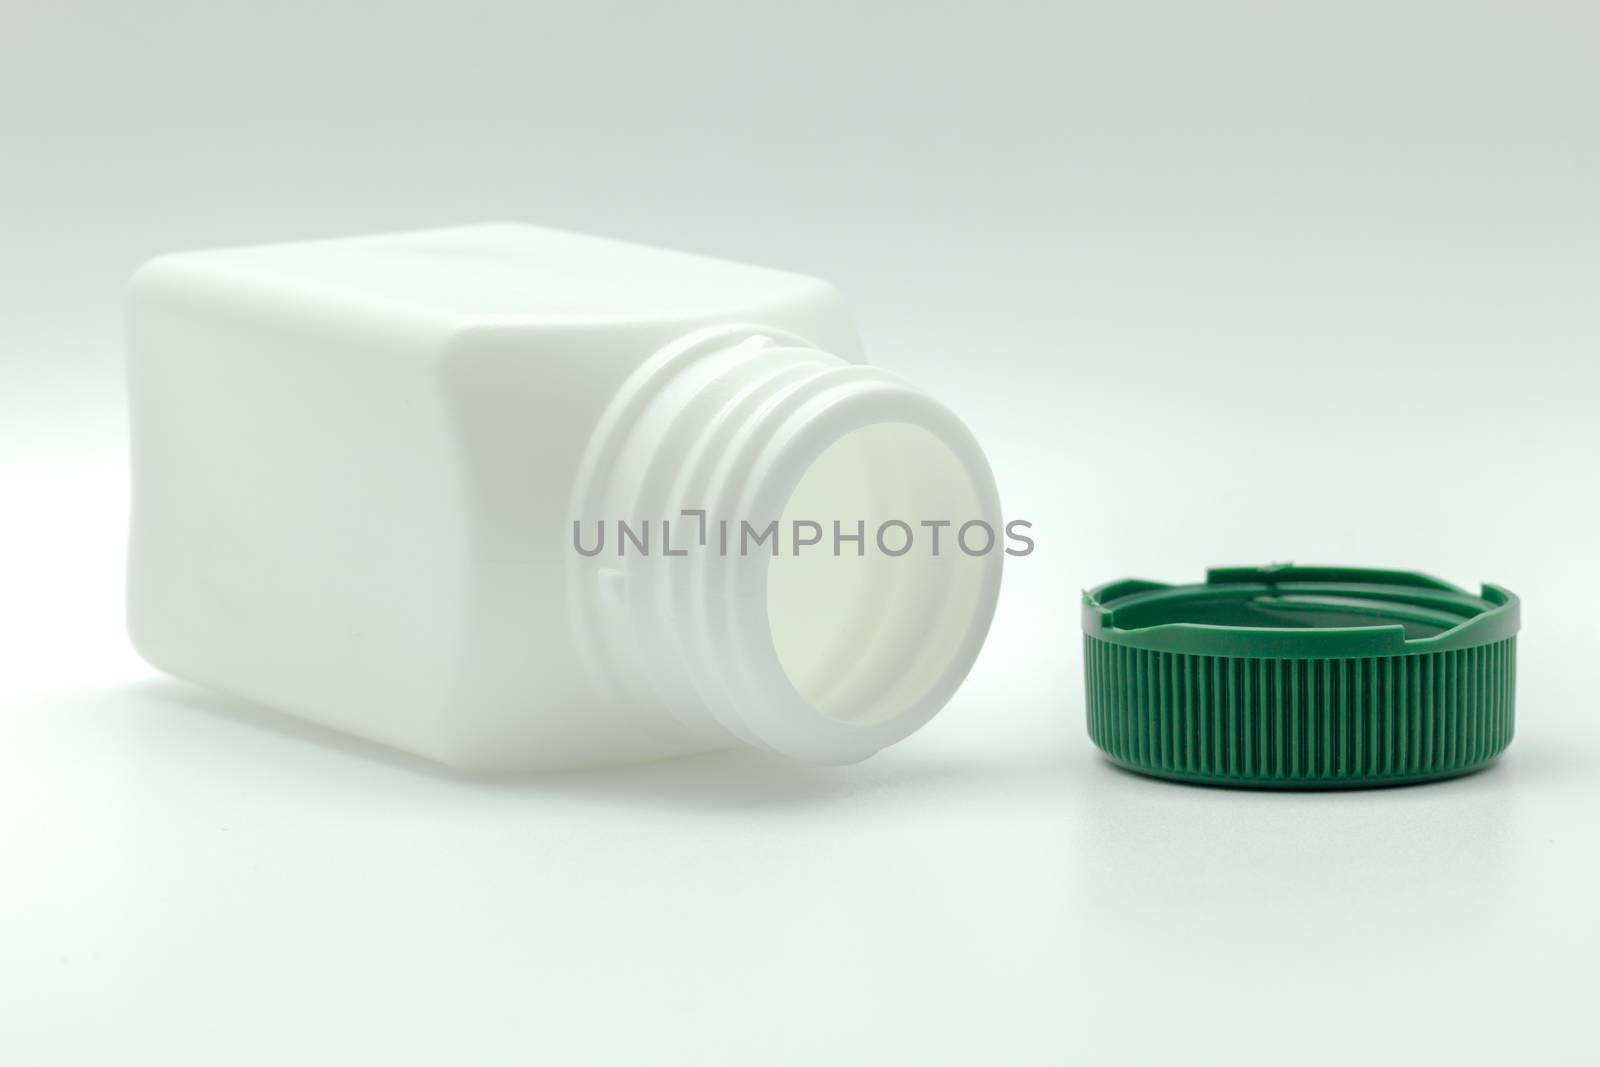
x,y
1301,723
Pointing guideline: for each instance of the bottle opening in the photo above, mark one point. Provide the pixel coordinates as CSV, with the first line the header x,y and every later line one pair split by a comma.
x,y
847,563
876,619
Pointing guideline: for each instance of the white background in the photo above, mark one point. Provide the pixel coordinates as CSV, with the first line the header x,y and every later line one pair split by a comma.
x,y
1213,284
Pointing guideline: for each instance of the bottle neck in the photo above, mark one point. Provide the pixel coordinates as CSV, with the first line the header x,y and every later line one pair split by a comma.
x,y
780,563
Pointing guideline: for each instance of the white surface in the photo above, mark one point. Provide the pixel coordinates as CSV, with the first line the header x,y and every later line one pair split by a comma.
x,y
1313,286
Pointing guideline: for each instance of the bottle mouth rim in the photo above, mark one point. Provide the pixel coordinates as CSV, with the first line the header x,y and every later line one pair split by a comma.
x,y
725,423
774,708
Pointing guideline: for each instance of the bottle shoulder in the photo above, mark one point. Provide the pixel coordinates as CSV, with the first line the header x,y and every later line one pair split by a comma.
x,y
499,274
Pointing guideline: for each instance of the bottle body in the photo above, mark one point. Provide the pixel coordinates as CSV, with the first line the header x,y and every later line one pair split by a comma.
x,y
361,469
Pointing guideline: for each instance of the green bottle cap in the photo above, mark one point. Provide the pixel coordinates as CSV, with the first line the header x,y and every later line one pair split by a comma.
x,y
1287,677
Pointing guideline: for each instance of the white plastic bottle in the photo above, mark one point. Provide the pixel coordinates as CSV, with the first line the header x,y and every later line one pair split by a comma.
x,y
369,476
